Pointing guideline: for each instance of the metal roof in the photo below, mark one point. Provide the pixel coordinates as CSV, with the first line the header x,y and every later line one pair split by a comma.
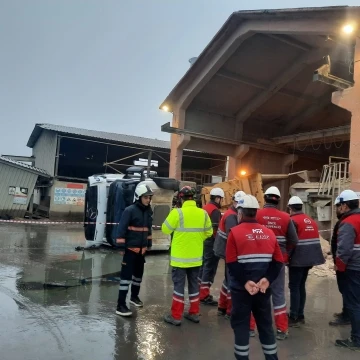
x,y
255,81
239,17
120,138
24,166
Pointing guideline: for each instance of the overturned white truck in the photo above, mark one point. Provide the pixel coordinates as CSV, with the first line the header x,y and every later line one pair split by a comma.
x,y
108,195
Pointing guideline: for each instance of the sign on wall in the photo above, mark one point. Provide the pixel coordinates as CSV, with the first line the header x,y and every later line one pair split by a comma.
x,y
69,196
20,195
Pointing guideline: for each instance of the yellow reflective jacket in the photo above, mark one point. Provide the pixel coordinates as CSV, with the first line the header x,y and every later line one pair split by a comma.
x,y
191,226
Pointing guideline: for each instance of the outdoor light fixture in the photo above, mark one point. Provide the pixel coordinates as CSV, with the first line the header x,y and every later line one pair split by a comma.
x,y
348,29
165,108
243,172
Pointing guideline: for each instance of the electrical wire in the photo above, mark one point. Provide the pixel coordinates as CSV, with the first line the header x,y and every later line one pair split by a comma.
x,y
312,145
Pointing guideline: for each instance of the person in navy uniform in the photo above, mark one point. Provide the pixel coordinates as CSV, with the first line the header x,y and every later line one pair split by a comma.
x,y
254,260
348,263
135,238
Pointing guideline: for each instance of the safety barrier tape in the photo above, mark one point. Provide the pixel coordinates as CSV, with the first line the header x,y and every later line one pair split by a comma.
x,y
76,223
34,222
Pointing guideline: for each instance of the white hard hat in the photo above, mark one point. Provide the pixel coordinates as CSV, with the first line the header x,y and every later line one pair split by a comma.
x,y
143,190
238,196
337,200
217,192
347,195
295,200
248,202
273,190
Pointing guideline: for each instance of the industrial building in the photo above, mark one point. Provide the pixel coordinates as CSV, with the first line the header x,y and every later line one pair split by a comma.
x,y
20,186
67,156
277,91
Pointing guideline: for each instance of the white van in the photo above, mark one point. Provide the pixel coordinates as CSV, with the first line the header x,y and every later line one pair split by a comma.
x,y
107,196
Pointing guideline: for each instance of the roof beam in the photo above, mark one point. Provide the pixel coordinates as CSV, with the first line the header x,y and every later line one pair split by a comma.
x,y
244,113
313,135
278,149
172,130
290,41
295,122
241,79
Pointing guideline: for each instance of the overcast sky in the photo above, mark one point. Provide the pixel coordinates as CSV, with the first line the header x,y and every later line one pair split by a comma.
x,y
102,64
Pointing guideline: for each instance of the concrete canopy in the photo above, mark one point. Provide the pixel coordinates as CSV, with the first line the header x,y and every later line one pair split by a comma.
x,y
252,87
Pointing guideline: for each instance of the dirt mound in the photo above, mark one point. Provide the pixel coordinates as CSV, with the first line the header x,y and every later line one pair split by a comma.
x,y
327,269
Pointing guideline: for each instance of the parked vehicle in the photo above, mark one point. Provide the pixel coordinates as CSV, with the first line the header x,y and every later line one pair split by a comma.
x,y
108,195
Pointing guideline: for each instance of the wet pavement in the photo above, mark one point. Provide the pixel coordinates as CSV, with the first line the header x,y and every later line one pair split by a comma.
x,y
56,303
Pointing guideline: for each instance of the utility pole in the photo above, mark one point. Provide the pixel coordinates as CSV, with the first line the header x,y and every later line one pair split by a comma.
x,y
149,163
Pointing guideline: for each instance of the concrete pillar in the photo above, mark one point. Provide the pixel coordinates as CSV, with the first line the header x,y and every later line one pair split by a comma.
x,y
350,100
235,161
232,166
287,162
178,143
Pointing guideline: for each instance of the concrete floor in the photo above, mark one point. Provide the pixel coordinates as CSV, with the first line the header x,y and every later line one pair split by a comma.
x,y
79,322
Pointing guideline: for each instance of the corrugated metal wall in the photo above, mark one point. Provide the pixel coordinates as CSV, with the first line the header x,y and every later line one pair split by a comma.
x,y
13,176
45,151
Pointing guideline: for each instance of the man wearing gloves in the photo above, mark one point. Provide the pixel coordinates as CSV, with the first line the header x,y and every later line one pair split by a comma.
x,y
134,236
307,253
254,259
190,226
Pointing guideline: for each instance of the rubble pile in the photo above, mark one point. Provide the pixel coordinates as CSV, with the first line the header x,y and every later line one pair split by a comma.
x,y
327,269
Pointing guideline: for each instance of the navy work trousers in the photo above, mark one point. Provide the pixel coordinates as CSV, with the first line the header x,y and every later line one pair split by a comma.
x,y
341,279
260,305
132,271
351,294
297,286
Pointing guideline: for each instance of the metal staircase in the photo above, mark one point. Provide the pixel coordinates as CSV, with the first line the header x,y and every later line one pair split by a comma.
x,y
334,179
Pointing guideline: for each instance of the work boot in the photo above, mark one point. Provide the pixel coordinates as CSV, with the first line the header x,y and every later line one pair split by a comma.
x,y
170,320
252,333
136,301
301,319
295,323
192,317
339,321
221,312
123,310
209,300
282,335
348,343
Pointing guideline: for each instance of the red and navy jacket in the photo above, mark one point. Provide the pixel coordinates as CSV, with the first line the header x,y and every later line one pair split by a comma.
x,y
348,242
214,213
228,221
282,226
252,253
308,250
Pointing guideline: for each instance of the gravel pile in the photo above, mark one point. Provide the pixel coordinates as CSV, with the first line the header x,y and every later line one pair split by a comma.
x,y
327,269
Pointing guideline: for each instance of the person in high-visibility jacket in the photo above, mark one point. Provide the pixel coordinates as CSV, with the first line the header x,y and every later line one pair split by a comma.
x,y
190,226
